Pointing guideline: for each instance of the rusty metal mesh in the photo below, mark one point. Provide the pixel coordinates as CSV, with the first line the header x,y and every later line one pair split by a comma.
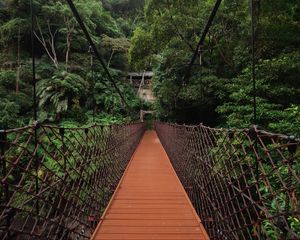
x,y
56,182
244,184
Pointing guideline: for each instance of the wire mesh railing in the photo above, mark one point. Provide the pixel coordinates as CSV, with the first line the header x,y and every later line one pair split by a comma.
x,y
56,182
244,184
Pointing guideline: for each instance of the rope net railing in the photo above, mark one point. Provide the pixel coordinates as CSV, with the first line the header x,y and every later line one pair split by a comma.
x,y
56,182
244,184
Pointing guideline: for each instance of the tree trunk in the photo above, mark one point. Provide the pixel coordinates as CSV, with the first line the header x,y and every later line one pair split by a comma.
x,y
70,29
111,56
48,45
68,50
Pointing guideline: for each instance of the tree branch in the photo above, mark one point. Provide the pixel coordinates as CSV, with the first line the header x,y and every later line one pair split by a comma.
x,y
40,37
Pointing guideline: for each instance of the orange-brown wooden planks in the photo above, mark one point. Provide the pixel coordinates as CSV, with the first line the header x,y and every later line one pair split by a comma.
x,y
150,202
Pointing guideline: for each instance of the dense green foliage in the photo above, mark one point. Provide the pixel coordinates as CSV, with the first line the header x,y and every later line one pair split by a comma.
x,y
161,38
67,84
220,89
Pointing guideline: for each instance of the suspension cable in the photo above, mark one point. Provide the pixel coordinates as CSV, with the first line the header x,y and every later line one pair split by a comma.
x,y
90,51
202,39
96,52
177,29
33,62
35,105
253,63
186,76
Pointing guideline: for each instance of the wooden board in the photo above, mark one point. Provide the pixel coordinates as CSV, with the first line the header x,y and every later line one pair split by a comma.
x,y
150,202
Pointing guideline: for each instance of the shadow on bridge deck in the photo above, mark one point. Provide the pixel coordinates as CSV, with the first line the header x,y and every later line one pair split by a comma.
x,y
150,202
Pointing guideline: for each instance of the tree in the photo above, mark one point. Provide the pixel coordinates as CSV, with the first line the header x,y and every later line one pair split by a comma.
x,y
9,114
220,87
117,45
277,91
62,58
61,92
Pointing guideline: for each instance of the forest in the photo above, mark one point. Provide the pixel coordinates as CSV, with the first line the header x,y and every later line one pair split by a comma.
x,y
219,91
69,129
69,85
160,36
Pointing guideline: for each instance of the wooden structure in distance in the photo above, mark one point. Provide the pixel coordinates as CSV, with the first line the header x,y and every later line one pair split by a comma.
x,y
150,202
142,82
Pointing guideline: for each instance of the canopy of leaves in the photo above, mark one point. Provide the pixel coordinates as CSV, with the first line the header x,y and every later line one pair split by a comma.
x,y
219,90
66,80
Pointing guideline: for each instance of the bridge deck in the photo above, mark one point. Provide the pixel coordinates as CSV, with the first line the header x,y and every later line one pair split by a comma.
x,y
150,202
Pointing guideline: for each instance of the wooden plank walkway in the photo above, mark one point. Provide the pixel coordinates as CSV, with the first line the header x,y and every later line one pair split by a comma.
x,y
150,202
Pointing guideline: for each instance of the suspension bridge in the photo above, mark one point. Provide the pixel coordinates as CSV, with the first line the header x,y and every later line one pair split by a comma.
x,y
123,182
120,182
